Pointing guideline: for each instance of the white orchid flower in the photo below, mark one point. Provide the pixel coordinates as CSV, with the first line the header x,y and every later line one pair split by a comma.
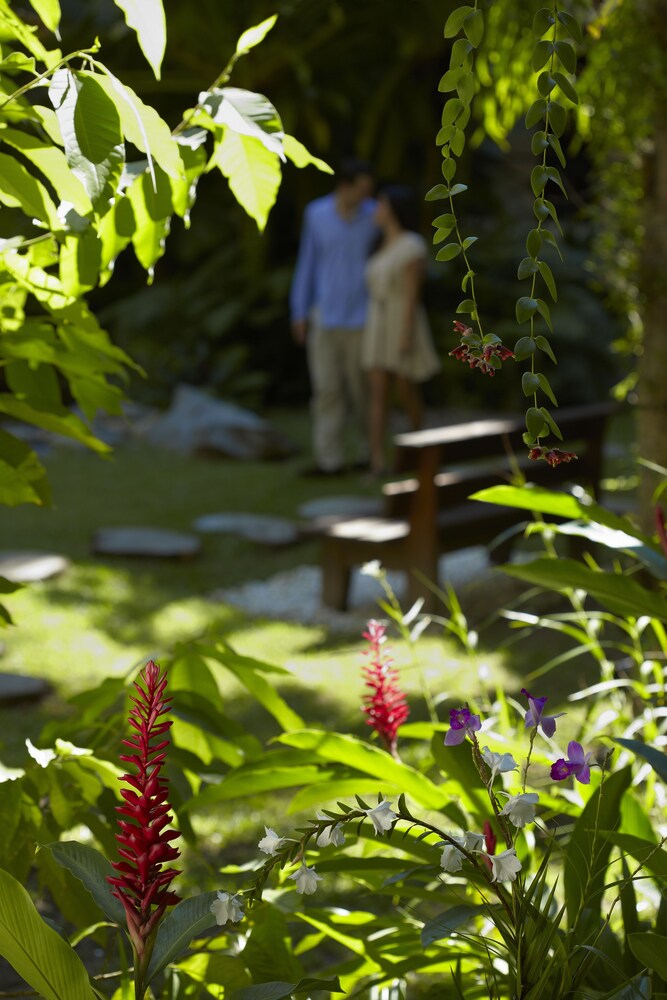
x,y
226,907
331,835
306,879
382,816
270,842
499,763
504,866
473,841
451,859
520,808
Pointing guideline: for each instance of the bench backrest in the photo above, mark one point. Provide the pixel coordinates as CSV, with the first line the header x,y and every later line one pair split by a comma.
x,y
484,452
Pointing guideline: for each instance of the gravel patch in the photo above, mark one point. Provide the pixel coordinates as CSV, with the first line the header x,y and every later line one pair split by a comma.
x,y
295,595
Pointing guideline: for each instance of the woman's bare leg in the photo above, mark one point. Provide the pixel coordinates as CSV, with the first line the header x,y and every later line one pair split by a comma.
x,y
411,400
379,384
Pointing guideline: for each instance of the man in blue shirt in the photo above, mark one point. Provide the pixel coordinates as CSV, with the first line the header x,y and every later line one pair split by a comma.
x,y
328,304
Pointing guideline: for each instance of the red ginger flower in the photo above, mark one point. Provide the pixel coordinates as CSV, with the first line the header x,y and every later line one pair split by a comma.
x,y
142,884
385,705
554,456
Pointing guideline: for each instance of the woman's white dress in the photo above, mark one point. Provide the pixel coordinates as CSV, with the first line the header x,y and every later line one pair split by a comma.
x,y
385,326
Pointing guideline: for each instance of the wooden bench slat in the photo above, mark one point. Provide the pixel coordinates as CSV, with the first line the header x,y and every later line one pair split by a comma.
x,y
429,513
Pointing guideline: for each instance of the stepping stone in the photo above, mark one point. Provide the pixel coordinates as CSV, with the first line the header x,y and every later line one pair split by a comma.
x,y
155,543
30,567
255,527
324,512
16,688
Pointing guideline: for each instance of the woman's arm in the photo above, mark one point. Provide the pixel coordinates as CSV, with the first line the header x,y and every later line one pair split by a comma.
x,y
413,279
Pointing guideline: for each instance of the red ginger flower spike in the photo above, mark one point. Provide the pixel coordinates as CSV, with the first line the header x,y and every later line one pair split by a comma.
x,y
142,883
385,704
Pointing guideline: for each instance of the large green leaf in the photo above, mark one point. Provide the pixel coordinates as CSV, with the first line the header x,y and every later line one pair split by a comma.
x,y
53,164
250,673
588,850
46,288
146,17
91,868
281,991
252,170
246,113
181,924
23,478
151,218
20,189
620,594
445,924
48,11
115,231
52,418
90,128
80,262
254,780
651,950
353,752
656,758
646,852
301,157
38,953
142,126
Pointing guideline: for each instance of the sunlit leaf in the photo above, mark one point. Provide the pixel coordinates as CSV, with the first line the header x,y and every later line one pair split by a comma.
x,y
146,17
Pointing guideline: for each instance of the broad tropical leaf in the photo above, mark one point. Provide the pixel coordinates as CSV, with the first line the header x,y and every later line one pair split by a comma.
x,y
38,953
91,868
247,113
181,924
620,594
370,760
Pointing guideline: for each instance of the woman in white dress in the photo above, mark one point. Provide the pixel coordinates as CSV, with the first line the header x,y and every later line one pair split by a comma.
x,y
397,341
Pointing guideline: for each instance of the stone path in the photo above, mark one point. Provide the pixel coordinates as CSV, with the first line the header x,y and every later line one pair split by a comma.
x,y
155,543
274,531
15,689
30,567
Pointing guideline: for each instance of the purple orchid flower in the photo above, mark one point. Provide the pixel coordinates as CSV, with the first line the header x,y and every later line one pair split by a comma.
x,y
577,763
535,716
463,724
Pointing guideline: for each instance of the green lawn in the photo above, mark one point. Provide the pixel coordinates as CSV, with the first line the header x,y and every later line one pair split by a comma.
x,y
105,616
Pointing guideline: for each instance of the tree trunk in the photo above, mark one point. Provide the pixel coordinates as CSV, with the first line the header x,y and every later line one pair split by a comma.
x,y
652,365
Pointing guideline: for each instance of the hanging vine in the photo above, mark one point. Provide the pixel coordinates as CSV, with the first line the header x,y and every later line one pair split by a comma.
x,y
554,59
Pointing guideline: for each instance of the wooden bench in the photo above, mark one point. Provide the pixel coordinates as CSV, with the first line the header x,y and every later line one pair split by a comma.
x,y
429,513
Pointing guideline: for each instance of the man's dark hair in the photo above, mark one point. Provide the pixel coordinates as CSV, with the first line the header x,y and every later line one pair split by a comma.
x,y
351,168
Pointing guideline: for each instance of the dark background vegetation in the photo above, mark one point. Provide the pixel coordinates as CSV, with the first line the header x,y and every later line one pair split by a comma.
x,y
347,76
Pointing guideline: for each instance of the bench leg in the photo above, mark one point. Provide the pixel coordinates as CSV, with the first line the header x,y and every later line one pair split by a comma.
x,y
336,575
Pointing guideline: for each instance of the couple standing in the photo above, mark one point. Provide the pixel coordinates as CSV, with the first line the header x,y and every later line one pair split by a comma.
x,y
356,306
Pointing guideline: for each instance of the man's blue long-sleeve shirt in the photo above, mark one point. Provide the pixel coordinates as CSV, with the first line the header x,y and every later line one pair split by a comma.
x,y
330,270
